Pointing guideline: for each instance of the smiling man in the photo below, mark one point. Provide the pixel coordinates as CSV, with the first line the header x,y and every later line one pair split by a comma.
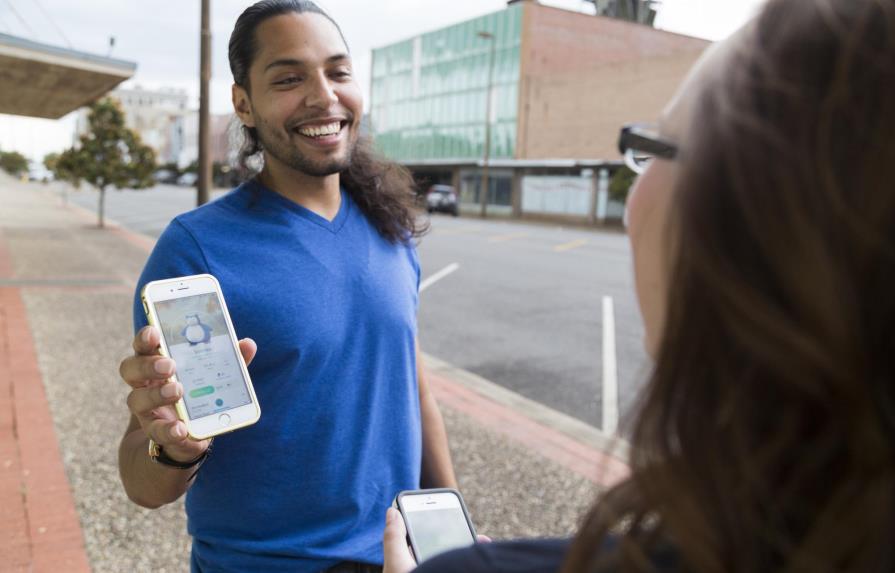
x,y
316,262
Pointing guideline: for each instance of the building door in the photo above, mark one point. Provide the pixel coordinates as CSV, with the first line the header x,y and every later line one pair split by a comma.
x,y
500,191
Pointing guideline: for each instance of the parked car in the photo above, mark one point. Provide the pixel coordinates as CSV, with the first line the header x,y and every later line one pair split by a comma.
x,y
188,179
443,199
165,176
40,173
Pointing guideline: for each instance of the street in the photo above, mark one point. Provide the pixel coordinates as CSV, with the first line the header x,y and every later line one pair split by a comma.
x,y
524,307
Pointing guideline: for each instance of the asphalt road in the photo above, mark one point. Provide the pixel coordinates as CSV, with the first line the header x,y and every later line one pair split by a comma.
x,y
524,308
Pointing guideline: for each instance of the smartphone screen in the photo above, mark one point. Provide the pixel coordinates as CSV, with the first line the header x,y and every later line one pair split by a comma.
x,y
436,522
196,335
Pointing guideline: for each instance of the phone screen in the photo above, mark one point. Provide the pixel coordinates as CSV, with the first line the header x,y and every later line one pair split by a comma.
x,y
437,526
195,332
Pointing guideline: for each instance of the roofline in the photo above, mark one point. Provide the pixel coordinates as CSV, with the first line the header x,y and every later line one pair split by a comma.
x,y
15,46
521,163
433,30
626,22
546,6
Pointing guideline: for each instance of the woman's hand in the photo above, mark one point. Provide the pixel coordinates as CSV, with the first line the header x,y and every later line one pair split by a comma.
x,y
398,558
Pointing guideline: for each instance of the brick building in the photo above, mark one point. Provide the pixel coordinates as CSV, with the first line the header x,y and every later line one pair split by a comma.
x,y
562,84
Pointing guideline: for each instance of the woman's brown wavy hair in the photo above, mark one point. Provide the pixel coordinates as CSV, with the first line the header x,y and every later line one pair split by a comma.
x,y
765,440
383,190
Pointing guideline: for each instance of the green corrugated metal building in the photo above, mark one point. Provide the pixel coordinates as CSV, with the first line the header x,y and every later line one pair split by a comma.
x,y
429,92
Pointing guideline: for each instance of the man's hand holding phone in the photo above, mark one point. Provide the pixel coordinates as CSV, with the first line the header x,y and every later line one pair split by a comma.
x,y
154,393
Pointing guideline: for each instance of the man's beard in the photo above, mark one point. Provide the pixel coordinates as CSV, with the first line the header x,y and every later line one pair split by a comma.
x,y
288,154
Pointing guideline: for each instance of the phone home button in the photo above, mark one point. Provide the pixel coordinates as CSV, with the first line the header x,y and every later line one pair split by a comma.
x,y
224,419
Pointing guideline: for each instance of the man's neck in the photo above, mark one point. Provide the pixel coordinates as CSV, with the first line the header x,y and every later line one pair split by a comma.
x,y
318,194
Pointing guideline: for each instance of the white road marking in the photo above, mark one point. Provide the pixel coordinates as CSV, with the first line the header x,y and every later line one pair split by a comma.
x,y
438,276
570,245
610,370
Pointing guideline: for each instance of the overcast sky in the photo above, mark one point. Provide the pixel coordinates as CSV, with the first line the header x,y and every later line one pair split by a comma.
x,y
162,37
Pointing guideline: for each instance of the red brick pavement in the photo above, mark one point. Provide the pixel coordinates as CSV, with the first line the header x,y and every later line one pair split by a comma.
x,y
39,528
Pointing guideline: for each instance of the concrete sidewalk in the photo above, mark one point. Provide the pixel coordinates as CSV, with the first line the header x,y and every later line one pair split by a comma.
x,y
65,323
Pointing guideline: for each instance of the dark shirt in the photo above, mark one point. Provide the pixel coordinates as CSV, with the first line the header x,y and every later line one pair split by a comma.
x,y
522,556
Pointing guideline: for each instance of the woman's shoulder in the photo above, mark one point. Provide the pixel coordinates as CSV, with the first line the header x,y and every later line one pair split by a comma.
x,y
522,556
528,556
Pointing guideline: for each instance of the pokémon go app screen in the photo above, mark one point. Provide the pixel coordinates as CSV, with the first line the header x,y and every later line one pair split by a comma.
x,y
196,334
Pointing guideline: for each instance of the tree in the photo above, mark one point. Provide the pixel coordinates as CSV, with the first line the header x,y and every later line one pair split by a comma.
x,y
621,183
65,167
13,162
62,165
109,154
50,161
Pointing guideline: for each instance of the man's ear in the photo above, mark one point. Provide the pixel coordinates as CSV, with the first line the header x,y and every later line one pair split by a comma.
x,y
242,105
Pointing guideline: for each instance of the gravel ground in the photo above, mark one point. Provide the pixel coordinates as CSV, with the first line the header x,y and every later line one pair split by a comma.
x,y
82,333
510,491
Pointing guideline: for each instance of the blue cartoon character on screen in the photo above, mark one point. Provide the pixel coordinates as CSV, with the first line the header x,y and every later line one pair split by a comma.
x,y
196,332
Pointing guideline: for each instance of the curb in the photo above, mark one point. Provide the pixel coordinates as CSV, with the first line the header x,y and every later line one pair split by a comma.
x,y
573,444
544,415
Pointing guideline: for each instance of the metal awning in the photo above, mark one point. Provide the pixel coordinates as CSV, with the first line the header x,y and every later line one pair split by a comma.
x,y
39,80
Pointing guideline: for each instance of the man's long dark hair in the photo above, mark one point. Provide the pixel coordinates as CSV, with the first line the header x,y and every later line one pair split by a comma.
x,y
766,438
382,189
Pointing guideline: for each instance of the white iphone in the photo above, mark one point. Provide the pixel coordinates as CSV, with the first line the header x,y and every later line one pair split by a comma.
x,y
436,521
190,312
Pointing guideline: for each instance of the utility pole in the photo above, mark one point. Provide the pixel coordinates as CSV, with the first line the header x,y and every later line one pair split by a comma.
x,y
483,192
204,179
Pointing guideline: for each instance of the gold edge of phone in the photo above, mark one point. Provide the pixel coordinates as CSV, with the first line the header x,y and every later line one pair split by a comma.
x,y
197,333
436,520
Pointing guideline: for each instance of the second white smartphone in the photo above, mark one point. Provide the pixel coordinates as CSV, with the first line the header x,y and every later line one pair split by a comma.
x,y
436,521
218,395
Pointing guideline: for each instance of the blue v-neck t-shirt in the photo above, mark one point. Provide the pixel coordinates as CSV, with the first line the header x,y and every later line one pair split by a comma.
x,y
332,306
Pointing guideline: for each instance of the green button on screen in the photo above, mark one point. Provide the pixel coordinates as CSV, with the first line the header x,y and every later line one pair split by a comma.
x,y
203,391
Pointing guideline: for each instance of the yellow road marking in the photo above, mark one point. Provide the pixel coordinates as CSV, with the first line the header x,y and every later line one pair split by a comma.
x,y
504,238
460,231
570,245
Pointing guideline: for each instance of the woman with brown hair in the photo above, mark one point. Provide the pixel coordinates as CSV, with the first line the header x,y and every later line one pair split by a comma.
x,y
763,239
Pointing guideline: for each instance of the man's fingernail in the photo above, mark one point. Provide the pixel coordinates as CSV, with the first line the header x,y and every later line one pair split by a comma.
x,y
169,390
144,336
389,515
164,366
177,431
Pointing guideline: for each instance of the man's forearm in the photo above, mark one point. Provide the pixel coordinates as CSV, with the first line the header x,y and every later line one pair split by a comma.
x,y
147,483
437,468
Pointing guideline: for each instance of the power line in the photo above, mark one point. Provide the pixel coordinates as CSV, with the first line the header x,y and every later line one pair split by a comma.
x,y
53,22
22,20
5,26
